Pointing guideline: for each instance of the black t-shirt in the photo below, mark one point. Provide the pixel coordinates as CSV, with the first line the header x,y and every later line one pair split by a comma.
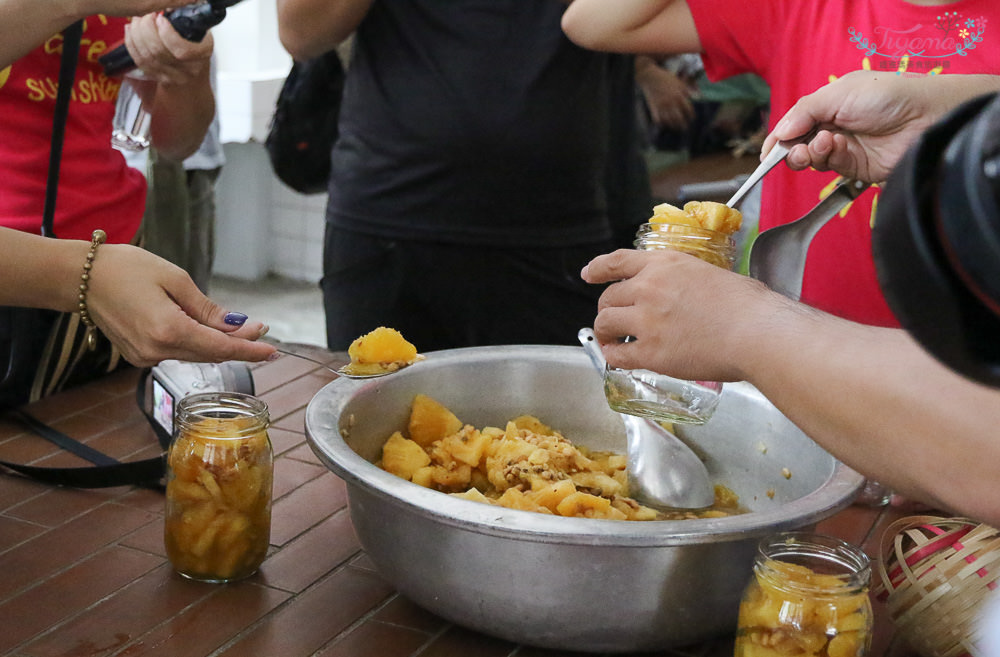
x,y
472,121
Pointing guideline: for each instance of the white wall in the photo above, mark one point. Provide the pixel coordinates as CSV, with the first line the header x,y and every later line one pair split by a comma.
x,y
262,226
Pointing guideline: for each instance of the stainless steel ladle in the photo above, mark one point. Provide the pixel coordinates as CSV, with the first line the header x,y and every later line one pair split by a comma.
x,y
663,472
778,255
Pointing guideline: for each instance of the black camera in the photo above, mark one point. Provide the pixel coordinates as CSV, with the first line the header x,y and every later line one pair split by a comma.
x,y
936,240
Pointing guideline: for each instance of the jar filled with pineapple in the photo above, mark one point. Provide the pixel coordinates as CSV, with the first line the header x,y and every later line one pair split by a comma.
x,y
808,596
703,229
219,482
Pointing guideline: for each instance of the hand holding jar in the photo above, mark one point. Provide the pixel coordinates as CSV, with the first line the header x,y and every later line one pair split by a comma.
x,y
702,230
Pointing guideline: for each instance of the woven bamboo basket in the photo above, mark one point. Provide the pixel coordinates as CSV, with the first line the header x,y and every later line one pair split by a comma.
x,y
935,575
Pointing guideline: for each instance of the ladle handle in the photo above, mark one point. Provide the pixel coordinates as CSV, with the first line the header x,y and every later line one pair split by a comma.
x,y
592,349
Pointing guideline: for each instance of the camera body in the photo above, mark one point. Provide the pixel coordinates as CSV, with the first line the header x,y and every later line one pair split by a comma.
x,y
936,240
163,386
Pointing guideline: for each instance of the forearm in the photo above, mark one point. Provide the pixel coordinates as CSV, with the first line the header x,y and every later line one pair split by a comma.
x,y
637,26
27,23
309,28
40,272
181,114
945,92
881,404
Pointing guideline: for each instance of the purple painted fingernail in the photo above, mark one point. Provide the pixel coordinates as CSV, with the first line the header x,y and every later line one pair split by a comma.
x,y
235,319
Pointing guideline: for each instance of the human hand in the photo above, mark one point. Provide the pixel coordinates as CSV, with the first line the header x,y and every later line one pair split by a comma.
x,y
667,96
690,319
866,122
164,55
152,311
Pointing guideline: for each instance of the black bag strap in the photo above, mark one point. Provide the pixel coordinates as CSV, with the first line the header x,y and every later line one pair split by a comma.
x,y
67,70
107,471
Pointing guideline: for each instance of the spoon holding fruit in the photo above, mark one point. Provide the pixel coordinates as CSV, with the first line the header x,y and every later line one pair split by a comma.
x,y
378,353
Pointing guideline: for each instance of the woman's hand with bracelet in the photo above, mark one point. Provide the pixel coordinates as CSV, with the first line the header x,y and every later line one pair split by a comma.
x,y
152,310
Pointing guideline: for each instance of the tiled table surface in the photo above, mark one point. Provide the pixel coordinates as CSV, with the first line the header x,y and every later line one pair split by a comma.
x,y
84,572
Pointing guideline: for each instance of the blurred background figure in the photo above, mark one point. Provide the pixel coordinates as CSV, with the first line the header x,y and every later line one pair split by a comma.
x,y
482,160
179,221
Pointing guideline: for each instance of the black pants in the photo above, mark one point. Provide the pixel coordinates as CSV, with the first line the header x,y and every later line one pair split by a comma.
x,y
443,296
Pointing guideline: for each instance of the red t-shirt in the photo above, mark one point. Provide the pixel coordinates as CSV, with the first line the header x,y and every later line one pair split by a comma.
x,y
798,46
97,189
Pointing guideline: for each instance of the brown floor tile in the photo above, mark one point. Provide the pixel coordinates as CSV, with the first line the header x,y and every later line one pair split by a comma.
x,y
268,376
122,442
50,552
307,506
80,426
529,651
15,489
118,410
289,474
47,604
144,499
14,531
460,642
124,617
70,402
315,617
295,421
148,538
853,524
364,562
401,611
28,448
10,427
312,555
283,440
291,397
373,639
305,453
59,505
203,628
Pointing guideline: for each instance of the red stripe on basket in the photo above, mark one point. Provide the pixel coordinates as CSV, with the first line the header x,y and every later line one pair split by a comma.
x,y
982,572
930,547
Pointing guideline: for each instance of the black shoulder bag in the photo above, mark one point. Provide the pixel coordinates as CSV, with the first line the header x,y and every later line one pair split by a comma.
x,y
304,126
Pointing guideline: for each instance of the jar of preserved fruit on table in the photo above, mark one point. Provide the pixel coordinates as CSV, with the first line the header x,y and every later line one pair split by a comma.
x,y
658,396
220,468
808,596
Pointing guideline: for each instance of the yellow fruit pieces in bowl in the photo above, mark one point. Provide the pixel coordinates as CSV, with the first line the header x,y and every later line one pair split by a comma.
x,y
525,465
700,214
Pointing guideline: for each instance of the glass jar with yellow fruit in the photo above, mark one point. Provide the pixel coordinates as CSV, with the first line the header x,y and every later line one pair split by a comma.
x,y
702,229
808,596
219,479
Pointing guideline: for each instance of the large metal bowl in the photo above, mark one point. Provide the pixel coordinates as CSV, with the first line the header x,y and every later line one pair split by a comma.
x,y
567,583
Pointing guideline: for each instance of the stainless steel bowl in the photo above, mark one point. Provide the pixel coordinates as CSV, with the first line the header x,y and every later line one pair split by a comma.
x,y
567,583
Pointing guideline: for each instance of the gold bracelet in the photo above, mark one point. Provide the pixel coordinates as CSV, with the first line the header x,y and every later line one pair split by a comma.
x,y
96,239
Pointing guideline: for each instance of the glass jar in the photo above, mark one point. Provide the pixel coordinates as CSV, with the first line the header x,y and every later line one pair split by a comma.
x,y
808,595
658,396
220,468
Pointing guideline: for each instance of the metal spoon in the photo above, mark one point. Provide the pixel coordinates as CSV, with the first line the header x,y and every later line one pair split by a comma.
x,y
663,472
778,255
344,371
777,153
